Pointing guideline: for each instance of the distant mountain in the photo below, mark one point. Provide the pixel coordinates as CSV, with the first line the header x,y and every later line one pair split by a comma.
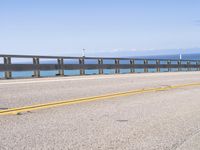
x,y
136,53
177,56
188,54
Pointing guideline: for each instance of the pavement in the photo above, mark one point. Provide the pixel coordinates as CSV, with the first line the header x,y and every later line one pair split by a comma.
x,y
163,120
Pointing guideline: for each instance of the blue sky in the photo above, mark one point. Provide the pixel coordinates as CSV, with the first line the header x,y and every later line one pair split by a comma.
x,y
63,27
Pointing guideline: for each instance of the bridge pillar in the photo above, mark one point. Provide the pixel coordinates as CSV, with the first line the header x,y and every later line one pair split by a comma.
x,y
100,62
60,64
7,61
82,62
132,62
36,72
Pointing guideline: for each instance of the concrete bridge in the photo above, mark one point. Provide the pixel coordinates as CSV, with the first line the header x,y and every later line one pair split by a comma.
x,y
132,111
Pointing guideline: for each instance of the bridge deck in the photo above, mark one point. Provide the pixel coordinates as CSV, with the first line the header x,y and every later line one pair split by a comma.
x,y
157,120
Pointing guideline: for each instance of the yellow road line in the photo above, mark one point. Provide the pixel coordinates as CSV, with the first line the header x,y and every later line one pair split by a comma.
x,y
89,99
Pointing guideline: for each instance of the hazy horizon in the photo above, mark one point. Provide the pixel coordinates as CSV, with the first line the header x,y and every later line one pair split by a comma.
x,y
122,53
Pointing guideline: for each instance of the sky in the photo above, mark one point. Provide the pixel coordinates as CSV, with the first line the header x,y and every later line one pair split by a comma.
x,y
65,27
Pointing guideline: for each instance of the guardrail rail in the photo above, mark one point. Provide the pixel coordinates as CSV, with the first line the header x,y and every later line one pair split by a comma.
x,y
98,64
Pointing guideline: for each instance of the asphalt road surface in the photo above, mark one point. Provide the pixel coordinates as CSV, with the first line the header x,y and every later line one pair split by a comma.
x,y
168,119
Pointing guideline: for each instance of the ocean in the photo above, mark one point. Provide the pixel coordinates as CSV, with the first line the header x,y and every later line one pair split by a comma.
x,y
27,74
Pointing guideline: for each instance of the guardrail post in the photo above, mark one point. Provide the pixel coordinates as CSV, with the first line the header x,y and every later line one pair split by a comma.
x,y
169,64
117,70
36,72
196,68
198,65
179,65
82,62
60,63
188,66
7,61
100,62
158,64
132,62
145,63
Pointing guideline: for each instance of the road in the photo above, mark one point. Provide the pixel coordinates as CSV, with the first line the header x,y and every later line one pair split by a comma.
x,y
167,119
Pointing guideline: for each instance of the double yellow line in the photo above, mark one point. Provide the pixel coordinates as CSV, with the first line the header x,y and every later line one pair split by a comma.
x,y
89,99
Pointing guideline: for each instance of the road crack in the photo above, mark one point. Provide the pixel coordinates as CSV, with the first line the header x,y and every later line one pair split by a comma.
x,y
188,137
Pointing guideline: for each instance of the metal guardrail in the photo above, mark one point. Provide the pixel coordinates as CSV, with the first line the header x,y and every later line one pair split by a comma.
x,y
8,67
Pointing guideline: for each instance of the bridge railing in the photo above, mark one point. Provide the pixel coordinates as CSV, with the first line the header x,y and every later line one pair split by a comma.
x,y
97,63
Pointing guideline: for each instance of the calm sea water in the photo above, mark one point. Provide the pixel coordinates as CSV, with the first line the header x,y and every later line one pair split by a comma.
x,y
109,71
